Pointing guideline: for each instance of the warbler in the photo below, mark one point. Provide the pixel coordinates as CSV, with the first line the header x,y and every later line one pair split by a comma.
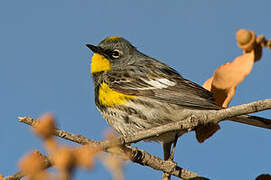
x,y
135,92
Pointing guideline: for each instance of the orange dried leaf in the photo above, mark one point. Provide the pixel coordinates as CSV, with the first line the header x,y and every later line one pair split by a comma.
x,y
115,148
50,144
246,39
85,156
231,74
32,164
208,84
43,175
46,127
109,135
64,158
228,76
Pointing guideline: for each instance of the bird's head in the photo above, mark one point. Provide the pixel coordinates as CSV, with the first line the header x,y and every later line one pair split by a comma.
x,y
112,52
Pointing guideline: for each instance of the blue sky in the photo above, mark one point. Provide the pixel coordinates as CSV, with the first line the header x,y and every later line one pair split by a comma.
x,y
45,67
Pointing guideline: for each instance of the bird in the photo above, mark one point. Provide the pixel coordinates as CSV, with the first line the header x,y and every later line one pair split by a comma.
x,y
135,92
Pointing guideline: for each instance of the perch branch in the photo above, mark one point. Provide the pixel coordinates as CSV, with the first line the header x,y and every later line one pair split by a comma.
x,y
135,155
187,125
144,158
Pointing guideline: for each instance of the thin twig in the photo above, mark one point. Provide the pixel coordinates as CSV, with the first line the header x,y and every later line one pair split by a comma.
x,y
16,176
186,125
135,155
46,162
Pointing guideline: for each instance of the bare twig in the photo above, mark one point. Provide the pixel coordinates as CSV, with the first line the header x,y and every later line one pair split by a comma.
x,y
186,125
46,163
16,176
135,155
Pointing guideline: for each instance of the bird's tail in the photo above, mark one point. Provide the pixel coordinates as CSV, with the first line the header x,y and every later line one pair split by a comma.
x,y
206,131
253,121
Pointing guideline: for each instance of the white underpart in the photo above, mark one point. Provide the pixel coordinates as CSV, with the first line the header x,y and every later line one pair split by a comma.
x,y
158,83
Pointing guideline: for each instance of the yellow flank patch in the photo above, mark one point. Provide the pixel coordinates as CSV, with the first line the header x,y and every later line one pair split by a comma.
x,y
109,97
112,38
99,63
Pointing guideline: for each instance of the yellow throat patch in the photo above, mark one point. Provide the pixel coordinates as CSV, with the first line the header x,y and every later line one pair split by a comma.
x,y
109,97
99,63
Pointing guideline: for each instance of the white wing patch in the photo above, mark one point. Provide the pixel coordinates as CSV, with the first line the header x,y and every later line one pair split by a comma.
x,y
167,82
158,83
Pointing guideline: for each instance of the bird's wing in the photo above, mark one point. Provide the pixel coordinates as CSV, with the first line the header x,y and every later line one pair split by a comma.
x,y
162,83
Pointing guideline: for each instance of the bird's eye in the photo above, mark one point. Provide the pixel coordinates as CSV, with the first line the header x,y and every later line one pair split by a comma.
x,y
115,54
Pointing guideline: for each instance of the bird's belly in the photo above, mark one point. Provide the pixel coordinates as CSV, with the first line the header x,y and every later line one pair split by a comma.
x,y
139,114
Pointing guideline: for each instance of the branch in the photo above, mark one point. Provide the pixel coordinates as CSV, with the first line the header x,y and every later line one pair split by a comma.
x,y
190,123
135,155
187,125
200,118
17,176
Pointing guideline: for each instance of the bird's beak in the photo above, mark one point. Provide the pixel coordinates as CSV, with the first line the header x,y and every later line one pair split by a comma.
x,y
96,49
93,48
